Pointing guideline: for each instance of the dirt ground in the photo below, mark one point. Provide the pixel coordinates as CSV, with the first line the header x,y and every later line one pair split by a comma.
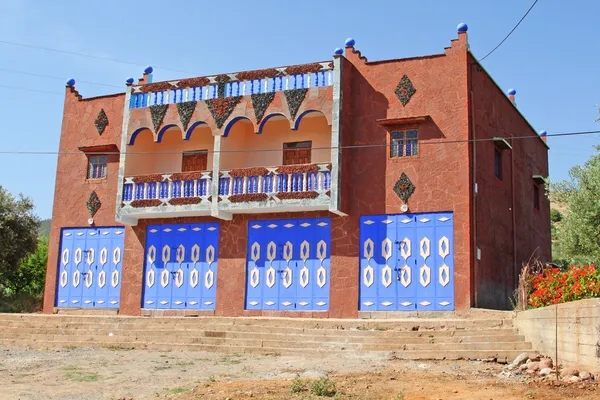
x,y
119,374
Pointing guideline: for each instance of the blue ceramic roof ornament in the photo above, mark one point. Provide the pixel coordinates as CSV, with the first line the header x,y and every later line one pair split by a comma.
x,y
462,27
350,42
71,82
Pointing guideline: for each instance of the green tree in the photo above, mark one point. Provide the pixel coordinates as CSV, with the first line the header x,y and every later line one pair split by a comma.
x,y
18,231
578,233
30,276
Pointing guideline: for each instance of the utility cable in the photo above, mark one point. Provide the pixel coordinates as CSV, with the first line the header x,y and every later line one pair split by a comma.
x,y
73,53
510,33
360,146
58,77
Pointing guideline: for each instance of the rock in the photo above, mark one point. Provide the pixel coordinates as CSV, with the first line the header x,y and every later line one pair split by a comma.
x,y
489,360
546,363
504,374
521,359
531,372
534,357
545,371
523,367
533,366
585,376
574,379
570,372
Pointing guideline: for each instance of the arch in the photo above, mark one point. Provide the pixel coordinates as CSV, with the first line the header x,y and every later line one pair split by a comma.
x,y
265,119
233,121
305,113
163,130
136,133
191,128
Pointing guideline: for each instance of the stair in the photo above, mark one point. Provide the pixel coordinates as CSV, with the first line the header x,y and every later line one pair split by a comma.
x,y
486,336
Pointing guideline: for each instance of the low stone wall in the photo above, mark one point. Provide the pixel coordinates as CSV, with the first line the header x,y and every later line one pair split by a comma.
x,y
578,332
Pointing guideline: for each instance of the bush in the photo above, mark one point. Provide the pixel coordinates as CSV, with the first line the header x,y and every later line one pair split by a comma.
x,y
554,286
298,385
324,387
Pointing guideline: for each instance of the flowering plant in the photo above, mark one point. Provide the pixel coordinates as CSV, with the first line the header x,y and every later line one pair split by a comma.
x,y
553,286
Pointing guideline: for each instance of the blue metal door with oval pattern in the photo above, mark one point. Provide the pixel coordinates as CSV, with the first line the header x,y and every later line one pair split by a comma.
x,y
407,262
287,266
180,269
89,271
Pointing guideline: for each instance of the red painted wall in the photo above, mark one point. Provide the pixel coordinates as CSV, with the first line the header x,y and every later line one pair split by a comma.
x,y
504,246
72,186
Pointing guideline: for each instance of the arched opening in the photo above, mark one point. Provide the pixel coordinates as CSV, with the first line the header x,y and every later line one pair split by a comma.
x,y
234,146
168,153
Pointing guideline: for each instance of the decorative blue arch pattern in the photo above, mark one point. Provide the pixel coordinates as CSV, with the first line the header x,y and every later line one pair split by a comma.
x,y
265,119
191,128
232,122
163,130
299,118
135,134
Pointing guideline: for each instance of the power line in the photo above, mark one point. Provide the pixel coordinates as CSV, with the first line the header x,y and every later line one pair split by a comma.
x,y
57,77
361,146
30,90
510,33
88,56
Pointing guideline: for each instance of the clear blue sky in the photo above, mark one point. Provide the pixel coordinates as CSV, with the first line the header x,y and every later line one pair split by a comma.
x,y
552,59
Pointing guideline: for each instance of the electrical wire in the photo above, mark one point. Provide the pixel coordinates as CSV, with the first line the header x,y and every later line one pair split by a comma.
x,y
57,77
73,53
510,33
360,146
31,90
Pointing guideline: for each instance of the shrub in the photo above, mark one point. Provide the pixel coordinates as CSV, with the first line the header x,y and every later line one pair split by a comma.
x,y
298,385
554,286
324,387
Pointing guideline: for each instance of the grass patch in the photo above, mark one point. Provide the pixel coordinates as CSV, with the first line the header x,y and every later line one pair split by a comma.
x,y
382,328
82,376
273,354
184,363
298,385
231,359
177,390
323,387
71,368
113,347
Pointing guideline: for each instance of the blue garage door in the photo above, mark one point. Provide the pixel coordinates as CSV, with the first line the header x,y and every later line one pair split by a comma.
x,y
181,266
407,262
89,273
288,264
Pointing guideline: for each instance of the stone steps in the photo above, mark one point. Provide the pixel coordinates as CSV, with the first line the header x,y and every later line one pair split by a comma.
x,y
411,338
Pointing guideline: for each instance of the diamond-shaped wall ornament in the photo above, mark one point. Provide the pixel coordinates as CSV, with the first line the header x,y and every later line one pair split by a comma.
x,y
405,90
157,112
404,188
93,204
101,122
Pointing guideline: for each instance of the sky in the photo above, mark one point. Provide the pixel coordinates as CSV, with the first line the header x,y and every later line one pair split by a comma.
x,y
551,59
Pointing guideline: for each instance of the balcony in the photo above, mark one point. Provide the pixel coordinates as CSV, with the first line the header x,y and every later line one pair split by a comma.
x,y
254,142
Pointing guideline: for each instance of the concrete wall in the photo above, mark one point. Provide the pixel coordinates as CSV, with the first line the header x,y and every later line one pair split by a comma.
x,y
578,332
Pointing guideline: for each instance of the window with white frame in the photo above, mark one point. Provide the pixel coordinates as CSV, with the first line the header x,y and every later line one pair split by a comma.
x,y
404,143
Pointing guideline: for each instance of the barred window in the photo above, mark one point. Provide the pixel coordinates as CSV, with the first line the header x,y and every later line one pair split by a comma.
x,y
97,167
404,144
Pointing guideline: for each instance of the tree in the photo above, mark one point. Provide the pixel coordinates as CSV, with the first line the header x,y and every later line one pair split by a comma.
x,y
30,276
18,231
578,233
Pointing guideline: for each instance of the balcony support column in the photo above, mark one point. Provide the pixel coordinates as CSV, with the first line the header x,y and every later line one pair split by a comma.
x,y
214,189
336,138
122,156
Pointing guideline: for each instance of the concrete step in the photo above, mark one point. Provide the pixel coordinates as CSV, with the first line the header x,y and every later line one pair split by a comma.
x,y
449,354
503,335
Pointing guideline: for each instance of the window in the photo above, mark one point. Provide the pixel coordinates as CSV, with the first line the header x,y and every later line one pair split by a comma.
x,y
296,153
404,144
536,197
195,161
97,167
498,163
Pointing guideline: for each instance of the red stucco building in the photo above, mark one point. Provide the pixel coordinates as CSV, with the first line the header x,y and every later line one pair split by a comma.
x,y
326,189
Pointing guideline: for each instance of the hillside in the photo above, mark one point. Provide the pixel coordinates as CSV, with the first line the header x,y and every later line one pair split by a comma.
x,y
44,227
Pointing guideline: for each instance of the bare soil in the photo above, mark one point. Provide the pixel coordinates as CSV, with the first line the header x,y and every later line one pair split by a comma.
x,y
121,374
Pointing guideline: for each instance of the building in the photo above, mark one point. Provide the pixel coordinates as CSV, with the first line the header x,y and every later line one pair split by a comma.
x,y
325,189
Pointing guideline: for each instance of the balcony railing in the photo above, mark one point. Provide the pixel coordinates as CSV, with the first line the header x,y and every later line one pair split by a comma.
x,y
233,89
288,182
168,189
